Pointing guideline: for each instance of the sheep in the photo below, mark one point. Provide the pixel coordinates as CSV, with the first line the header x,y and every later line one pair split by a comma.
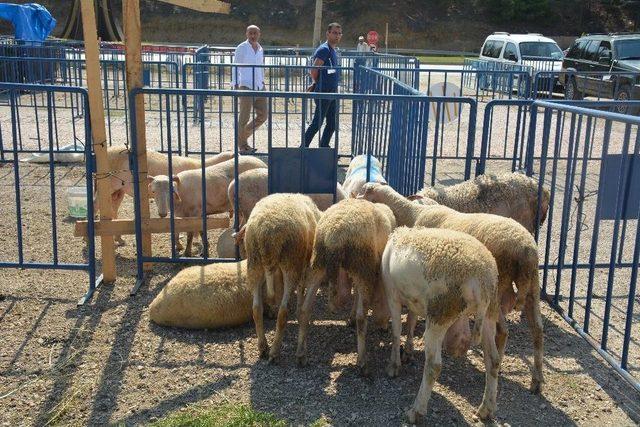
x,y
350,236
157,164
188,190
513,247
443,275
278,236
254,184
212,296
356,175
513,195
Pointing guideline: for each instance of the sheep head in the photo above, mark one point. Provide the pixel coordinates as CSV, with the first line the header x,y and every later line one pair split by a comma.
x,y
375,192
160,187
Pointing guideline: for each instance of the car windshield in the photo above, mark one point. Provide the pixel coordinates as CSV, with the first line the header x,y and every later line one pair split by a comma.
x,y
540,50
628,49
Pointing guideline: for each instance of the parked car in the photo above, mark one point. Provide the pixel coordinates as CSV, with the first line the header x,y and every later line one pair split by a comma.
x,y
533,51
599,55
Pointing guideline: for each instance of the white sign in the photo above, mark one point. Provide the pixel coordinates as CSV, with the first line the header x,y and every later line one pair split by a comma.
x,y
449,111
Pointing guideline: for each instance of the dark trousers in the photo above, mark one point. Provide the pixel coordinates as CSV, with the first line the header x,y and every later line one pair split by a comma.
x,y
325,108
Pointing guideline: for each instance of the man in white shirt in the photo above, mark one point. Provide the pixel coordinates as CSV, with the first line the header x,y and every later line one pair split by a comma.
x,y
249,78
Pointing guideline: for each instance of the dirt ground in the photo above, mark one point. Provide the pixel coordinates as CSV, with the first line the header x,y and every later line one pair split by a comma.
x,y
106,363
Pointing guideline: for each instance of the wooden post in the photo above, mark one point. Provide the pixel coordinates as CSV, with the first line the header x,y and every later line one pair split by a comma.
x,y
317,24
99,135
133,64
386,37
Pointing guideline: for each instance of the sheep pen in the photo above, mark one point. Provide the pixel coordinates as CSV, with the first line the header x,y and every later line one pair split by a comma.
x,y
108,363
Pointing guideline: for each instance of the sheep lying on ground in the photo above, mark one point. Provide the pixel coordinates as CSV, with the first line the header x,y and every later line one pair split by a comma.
x,y
512,246
157,164
351,236
445,276
278,236
187,192
212,296
513,195
356,175
254,186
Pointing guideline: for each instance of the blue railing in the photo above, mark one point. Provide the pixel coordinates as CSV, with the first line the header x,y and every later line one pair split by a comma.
x,y
18,193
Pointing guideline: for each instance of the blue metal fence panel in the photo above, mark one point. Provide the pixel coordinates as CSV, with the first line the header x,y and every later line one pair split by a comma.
x,y
11,156
590,266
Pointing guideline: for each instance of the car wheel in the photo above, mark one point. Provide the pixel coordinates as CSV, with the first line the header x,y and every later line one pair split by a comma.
x,y
571,90
623,93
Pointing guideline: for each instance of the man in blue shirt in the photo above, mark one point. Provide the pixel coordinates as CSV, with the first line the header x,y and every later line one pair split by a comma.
x,y
325,80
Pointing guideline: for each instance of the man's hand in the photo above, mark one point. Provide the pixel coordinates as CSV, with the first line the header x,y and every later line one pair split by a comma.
x,y
312,87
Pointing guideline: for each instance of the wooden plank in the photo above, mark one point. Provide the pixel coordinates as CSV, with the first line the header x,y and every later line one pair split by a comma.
x,y
99,134
133,64
210,6
152,225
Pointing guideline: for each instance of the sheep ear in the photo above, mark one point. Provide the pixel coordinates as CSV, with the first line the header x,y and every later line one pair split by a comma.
x,y
415,197
150,179
353,195
176,195
176,179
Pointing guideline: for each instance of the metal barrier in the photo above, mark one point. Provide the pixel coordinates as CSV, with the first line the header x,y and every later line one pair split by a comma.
x,y
407,130
403,168
497,78
26,183
589,161
71,72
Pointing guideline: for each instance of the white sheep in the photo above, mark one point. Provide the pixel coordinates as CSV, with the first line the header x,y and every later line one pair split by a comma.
x,y
212,296
513,195
187,193
512,246
350,236
278,236
444,276
356,175
255,186
157,164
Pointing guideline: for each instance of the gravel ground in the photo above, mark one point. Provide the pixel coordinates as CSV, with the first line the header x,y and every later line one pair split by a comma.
x,y
106,363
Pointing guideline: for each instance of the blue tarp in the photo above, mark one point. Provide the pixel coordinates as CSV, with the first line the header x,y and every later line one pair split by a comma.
x,y
30,21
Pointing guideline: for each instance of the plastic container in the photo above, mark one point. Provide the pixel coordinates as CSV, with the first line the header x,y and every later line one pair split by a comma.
x,y
77,202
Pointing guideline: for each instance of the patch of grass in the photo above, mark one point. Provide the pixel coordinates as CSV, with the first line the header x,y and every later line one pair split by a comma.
x,y
442,60
228,415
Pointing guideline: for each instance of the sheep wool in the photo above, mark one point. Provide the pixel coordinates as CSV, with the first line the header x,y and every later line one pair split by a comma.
x,y
513,195
211,296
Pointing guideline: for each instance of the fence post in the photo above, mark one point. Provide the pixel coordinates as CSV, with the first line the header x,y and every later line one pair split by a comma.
x,y
99,137
133,58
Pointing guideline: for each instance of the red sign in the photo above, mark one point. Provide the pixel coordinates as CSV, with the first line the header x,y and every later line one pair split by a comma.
x,y
372,37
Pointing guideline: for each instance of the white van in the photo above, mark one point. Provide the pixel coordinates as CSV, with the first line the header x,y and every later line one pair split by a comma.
x,y
533,50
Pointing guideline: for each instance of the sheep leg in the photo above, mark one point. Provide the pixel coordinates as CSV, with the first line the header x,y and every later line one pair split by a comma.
x,y
187,251
380,309
304,318
534,318
395,362
502,333
407,354
179,246
492,367
351,321
203,253
116,201
433,336
258,319
282,317
361,328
